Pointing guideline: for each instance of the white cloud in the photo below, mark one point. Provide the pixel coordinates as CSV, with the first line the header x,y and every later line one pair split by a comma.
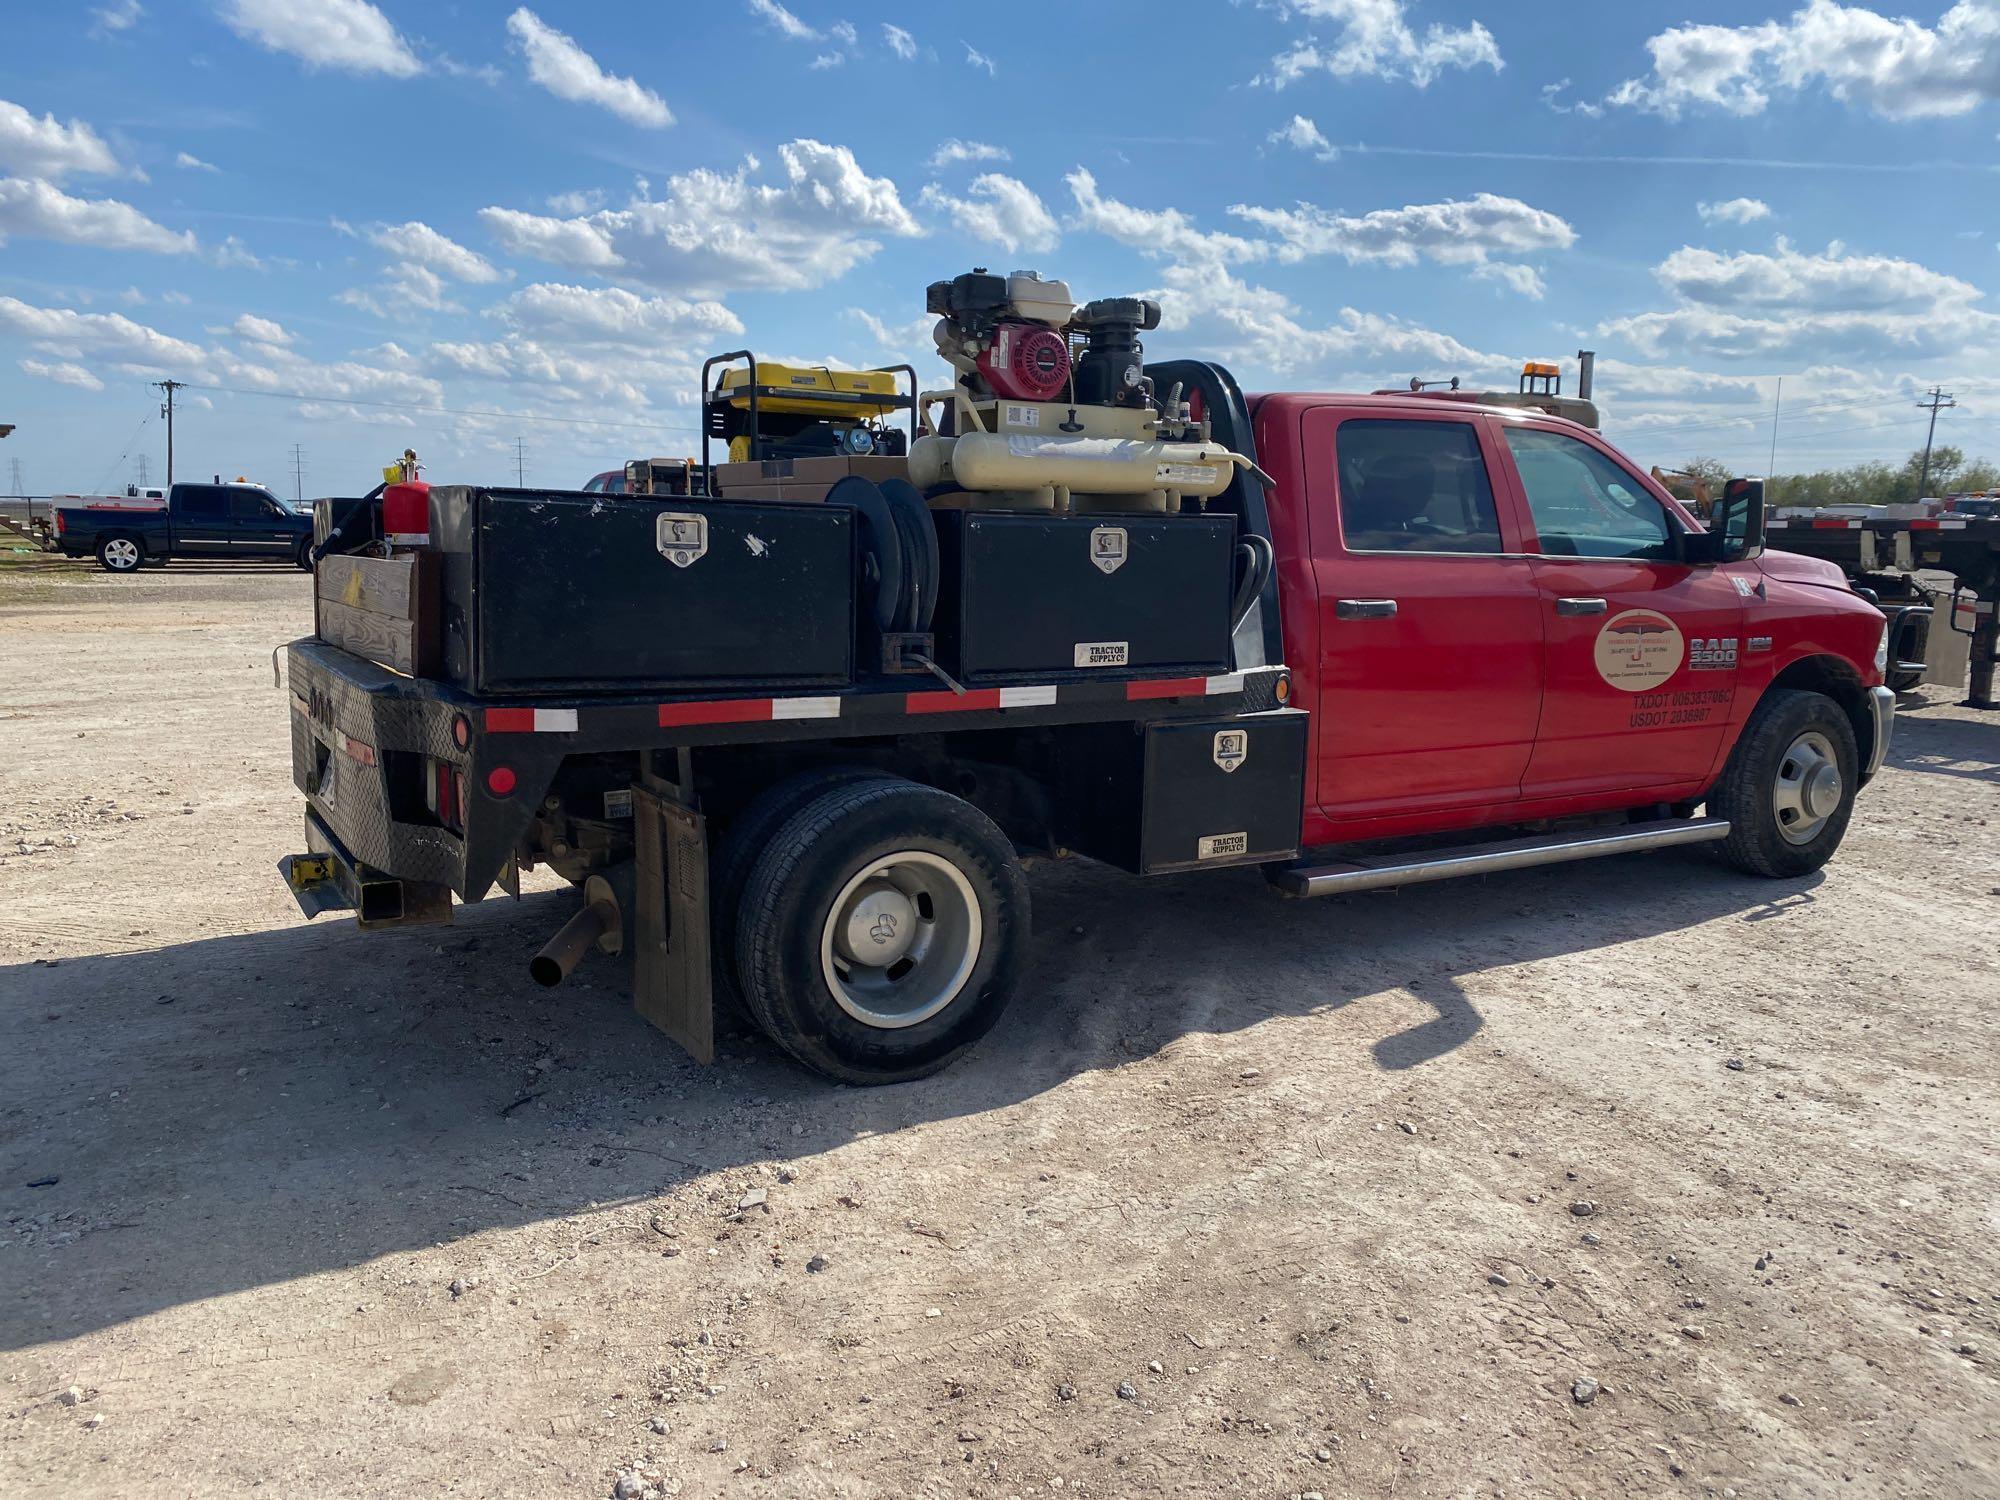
x,y
612,316
1456,232
110,334
952,151
260,330
1524,281
900,41
1899,68
188,162
179,299
120,15
1374,38
1159,233
1733,211
419,244
63,373
782,21
48,148
1000,209
1302,134
584,201
39,210
1795,305
349,36
567,71
826,60
978,59
711,233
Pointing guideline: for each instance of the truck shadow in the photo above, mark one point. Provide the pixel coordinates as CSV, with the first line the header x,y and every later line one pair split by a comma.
x,y
1947,747
236,1112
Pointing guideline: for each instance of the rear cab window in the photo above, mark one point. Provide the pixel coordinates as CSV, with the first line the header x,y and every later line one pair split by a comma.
x,y
1409,485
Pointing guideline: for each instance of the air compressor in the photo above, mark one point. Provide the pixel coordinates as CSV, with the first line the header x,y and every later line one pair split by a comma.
x,y
1052,409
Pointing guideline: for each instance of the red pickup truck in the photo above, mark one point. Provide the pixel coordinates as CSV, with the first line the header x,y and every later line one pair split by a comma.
x,y
1488,641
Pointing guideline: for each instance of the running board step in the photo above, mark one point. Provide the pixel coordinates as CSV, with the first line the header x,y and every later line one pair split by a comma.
x,y
1381,871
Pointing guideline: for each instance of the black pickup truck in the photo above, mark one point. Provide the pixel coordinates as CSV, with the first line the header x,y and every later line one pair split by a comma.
x,y
198,521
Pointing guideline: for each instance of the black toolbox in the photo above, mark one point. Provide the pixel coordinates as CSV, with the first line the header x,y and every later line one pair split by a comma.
x,y
1185,794
1026,596
547,590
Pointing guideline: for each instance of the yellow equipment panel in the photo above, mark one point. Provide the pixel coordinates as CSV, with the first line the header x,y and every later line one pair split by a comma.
x,y
813,391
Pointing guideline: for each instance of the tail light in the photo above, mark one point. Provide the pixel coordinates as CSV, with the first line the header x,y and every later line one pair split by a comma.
x,y
62,526
444,794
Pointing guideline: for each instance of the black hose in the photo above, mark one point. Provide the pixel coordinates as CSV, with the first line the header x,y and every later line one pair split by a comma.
x,y
1256,551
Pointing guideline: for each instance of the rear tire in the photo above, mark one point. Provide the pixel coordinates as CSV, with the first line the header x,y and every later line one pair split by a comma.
x,y
746,837
882,930
304,556
1788,790
121,554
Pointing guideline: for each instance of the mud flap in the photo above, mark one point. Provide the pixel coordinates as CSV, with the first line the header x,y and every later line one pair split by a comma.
x,y
670,973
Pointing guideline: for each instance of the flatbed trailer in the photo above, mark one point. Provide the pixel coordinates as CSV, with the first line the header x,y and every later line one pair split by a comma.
x,y
1882,554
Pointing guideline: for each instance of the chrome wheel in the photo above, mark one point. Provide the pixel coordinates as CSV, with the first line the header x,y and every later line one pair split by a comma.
x,y
900,939
121,554
1808,787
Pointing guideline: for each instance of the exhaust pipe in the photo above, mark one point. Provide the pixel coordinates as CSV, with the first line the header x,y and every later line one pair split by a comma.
x,y
576,937
1586,372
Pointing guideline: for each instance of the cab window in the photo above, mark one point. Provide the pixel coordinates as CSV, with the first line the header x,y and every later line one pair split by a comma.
x,y
203,503
1408,486
251,505
1583,504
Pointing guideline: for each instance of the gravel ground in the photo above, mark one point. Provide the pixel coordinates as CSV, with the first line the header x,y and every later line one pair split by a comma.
x,y
1629,1178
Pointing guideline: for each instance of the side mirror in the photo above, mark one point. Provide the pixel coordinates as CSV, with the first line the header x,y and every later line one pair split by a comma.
x,y
1735,526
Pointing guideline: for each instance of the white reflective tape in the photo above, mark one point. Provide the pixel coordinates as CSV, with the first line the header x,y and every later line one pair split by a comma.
x,y
555,721
805,708
1951,525
1228,682
1038,696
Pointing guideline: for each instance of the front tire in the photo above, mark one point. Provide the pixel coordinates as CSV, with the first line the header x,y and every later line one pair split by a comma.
x,y
1788,789
304,556
120,554
882,930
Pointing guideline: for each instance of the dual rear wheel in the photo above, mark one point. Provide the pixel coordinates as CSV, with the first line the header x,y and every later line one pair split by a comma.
x,y
874,928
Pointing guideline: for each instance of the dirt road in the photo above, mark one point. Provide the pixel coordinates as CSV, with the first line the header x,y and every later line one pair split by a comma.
x,y
1244,1197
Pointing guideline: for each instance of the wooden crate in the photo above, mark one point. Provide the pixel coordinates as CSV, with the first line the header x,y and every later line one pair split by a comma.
x,y
383,608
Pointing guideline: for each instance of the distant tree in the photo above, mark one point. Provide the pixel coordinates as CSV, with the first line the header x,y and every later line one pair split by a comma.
x,y
1713,471
1875,483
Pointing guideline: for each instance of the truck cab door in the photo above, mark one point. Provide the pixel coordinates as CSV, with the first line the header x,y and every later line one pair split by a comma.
x,y
261,528
1429,670
199,515
1642,647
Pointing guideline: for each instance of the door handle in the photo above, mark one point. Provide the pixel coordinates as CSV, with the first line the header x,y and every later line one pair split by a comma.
x,y
1364,609
1580,606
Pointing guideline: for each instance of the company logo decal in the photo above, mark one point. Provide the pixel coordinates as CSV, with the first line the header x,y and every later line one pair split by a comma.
x,y
1638,650
1715,653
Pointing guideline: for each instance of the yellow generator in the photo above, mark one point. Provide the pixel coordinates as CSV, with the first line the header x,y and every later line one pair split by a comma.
x,y
765,410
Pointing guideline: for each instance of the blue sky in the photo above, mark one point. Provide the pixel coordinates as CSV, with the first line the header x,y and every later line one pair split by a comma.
x,y
333,218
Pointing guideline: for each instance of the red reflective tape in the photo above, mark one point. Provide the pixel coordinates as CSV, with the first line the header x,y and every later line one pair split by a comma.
x,y
1833,525
944,703
300,706
728,711
1168,687
1924,525
365,754
510,721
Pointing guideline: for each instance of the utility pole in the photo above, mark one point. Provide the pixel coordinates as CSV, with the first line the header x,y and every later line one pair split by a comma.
x,y
167,411
298,473
520,464
1938,400
1771,473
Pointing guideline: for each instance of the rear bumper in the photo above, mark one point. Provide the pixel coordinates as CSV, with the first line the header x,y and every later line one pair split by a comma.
x,y
1882,709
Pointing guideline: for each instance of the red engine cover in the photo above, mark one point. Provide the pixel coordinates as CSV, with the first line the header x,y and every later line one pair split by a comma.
x,y
1026,362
